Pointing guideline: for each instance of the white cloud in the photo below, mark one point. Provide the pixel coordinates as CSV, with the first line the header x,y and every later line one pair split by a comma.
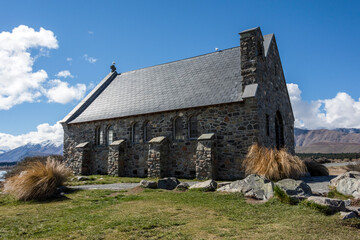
x,y
69,59
44,132
64,74
89,59
61,92
342,111
18,82
90,32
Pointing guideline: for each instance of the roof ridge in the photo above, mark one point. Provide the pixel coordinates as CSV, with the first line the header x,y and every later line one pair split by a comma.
x,y
178,60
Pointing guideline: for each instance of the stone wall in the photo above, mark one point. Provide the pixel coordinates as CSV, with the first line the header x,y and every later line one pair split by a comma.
x,y
235,126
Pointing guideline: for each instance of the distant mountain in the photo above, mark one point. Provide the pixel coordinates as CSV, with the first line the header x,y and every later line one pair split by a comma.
x,y
4,150
30,150
340,140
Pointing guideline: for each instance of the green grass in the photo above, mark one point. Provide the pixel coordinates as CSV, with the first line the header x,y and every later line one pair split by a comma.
x,y
105,179
335,194
283,197
153,214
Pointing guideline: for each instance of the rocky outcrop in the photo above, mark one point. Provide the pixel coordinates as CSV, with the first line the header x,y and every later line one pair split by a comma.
x,y
295,188
148,184
208,186
254,186
347,183
169,183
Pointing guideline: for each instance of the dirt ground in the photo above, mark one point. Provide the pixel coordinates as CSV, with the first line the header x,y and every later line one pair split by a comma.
x,y
337,170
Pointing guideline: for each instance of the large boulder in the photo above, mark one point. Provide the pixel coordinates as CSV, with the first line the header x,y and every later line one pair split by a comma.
x,y
347,183
207,186
295,188
254,186
335,205
148,184
169,183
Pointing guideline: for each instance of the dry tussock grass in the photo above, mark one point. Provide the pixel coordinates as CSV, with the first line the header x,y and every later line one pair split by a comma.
x,y
273,164
38,181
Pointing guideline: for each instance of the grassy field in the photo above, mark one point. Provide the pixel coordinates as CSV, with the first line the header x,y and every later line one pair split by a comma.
x,y
160,214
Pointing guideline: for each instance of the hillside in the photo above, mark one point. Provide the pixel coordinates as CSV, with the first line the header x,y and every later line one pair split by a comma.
x,y
340,140
28,150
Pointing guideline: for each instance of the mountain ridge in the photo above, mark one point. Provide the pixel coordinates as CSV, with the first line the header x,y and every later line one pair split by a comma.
x,y
339,140
32,149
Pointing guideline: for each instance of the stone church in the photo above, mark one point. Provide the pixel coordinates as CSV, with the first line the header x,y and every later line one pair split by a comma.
x,y
190,118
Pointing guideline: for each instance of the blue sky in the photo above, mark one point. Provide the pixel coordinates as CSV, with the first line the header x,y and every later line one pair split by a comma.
x,y
317,40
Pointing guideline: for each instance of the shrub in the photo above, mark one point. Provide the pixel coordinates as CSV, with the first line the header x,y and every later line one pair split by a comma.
x,y
37,181
273,164
22,165
316,169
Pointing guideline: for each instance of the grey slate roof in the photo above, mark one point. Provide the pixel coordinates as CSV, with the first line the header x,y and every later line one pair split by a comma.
x,y
209,79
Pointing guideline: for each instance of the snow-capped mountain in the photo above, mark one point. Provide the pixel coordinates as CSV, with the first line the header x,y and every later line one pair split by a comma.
x,y
31,149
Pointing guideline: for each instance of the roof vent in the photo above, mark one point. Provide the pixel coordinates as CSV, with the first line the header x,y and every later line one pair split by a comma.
x,y
112,67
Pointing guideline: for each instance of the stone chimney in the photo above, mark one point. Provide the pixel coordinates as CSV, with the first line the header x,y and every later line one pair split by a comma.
x,y
252,56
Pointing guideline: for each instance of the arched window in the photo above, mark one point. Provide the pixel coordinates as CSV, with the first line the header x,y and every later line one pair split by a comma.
x,y
110,135
147,131
279,130
135,133
98,136
178,128
193,132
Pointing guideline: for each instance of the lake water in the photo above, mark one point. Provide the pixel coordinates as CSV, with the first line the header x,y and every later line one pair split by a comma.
x,y
2,173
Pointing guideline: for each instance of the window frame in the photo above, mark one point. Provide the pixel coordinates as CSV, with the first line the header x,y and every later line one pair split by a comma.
x,y
109,129
176,136
190,125
147,124
133,132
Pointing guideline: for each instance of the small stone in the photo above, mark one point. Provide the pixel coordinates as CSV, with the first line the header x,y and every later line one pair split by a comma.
x,y
347,215
347,202
295,188
148,184
209,185
335,205
182,186
169,183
